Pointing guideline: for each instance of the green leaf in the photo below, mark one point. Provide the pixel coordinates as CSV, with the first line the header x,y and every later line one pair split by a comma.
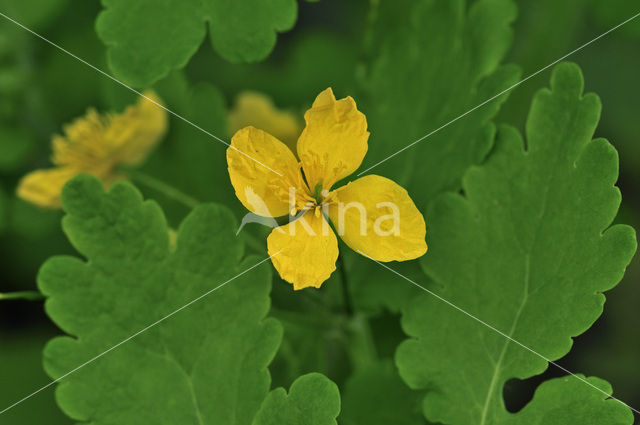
x,y
207,364
435,60
536,46
377,396
194,160
622,110
527,249
616,353
313,399
567,400
148,38
190,159
422,75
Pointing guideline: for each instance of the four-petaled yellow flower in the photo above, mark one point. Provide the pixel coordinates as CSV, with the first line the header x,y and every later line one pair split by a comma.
x,y
373,215
96,144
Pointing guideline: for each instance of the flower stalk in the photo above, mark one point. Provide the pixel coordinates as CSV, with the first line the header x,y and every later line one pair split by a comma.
x,y
22,295
162,187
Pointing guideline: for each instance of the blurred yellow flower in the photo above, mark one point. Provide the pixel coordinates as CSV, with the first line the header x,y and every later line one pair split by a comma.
x,y
257,110
96,144
372,214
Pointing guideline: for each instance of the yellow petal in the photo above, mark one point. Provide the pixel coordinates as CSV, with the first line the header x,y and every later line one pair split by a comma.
x,y
83,144
257,110
304,251
136,132
98,142
376,217
334,141
43,187
262,171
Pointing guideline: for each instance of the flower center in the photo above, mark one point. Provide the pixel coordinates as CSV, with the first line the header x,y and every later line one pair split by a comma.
x,y
294,187
317,193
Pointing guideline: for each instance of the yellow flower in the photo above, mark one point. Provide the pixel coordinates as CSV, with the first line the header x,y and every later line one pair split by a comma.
x,y
257,110
96,144
372,214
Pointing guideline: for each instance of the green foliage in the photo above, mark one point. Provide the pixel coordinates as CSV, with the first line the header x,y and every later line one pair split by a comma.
x,y
527,246
207,364
312,400
313,340
146,39
567,400
372,291
419,77
206,178
433,61
612,336
608,64
301,63
377,396
536,46
528,250
618,55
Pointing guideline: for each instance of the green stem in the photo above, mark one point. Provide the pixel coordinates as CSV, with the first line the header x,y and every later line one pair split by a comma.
x,y
346,295
22,295
361,348
162,187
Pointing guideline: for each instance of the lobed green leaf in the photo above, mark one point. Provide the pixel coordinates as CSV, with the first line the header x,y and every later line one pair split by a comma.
x,y
313,399
148,38
434,60
527,249
206,364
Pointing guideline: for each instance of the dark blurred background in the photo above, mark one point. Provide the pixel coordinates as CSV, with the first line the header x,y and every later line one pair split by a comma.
x,y
41,89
